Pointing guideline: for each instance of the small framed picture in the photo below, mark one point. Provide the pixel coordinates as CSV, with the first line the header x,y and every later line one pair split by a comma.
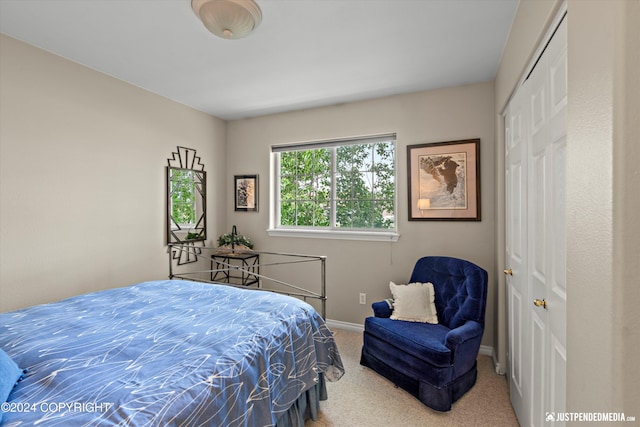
x,y
444,181
246,193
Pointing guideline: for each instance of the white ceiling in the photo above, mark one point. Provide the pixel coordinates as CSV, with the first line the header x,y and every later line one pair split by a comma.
x,y
306,53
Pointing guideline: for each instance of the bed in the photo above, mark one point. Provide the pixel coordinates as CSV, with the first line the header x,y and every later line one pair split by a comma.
x,y
170,353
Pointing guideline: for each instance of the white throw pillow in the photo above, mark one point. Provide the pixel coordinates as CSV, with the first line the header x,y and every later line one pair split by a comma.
x,y
414,302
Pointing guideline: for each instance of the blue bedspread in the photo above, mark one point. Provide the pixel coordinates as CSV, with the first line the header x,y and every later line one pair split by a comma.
x,y
165,353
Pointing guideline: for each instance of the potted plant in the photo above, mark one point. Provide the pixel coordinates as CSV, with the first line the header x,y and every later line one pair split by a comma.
x,y
234,241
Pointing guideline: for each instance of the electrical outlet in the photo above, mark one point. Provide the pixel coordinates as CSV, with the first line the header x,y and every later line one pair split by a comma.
x,y
363,298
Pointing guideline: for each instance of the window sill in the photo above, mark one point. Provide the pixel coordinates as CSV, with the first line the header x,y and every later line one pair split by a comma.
x,y
375,236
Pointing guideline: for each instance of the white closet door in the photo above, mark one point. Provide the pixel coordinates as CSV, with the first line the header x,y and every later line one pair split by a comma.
x,y
517,141
536,248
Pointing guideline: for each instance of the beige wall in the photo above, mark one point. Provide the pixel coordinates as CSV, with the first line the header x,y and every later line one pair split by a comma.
x,y
603,248
626,227
355,266
602,139
82,159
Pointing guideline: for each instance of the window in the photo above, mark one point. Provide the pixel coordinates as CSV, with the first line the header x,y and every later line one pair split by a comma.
x,y
345,187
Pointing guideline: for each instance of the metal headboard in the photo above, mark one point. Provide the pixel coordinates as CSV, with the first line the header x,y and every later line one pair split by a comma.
x,y
246,269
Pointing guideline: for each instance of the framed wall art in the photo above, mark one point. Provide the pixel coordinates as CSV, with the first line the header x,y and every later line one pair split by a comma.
x,y
246,193
444,181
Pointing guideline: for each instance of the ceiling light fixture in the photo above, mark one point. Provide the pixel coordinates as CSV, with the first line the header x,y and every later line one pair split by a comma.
x,y
229,19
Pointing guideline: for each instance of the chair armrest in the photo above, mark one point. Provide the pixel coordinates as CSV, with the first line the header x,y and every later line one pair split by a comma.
x,y
382,308
464,343
459,335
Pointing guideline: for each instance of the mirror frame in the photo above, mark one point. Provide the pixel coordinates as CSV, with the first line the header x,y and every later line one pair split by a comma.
x,y
185,159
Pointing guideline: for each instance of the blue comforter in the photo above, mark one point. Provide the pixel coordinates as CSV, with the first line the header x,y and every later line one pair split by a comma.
x,y
165,353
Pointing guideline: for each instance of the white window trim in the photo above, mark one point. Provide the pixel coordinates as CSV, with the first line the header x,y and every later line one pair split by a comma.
x,y
329,233
373,236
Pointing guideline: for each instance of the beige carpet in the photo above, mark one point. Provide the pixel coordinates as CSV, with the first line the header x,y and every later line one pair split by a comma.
x,y
364,398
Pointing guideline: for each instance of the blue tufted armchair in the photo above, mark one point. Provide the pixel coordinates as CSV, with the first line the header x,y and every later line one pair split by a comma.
x,y
434,362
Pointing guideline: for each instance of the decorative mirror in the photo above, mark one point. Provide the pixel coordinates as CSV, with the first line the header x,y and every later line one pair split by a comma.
x,y
186,198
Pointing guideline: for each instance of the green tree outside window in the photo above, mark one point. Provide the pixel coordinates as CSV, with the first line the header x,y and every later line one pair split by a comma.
x,y
355,181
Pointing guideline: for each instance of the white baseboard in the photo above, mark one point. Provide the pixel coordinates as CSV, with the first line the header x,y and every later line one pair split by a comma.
x,y
485,350
337,324
490,351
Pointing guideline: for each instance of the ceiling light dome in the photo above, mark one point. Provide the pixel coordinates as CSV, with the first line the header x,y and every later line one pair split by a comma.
x,y
229,19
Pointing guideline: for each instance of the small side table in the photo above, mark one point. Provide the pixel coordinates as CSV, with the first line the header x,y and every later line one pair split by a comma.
x,y
247,264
